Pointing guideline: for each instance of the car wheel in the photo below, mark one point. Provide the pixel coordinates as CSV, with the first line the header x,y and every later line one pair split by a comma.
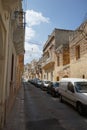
x,y
60,98
53,94
80,108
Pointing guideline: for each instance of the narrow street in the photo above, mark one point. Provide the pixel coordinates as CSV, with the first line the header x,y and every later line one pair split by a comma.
x,y
38,110
47,113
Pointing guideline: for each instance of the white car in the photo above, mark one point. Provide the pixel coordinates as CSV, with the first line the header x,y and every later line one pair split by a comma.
x,y
74,91
45,85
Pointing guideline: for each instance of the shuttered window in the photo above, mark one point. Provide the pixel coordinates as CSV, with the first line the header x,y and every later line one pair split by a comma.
x,y
58,61
77,52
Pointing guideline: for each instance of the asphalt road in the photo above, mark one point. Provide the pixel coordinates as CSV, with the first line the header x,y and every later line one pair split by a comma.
x,y
44,112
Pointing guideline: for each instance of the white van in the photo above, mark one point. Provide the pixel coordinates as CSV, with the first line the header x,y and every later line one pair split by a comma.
x,y
74,91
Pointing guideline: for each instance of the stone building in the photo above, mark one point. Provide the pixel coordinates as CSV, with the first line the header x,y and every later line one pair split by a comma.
x,y
31,70
39,68
78,52
56,57
12,31
65,54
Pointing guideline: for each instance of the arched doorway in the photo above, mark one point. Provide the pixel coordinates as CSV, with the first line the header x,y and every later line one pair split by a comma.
x,y
83,76
57,78
65,76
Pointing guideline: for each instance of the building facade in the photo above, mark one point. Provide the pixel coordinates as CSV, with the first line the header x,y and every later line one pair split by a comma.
x,y
78,52
12,31
56,56
64,55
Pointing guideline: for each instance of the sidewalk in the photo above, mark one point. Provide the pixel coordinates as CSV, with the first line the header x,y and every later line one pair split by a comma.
x,y
16,119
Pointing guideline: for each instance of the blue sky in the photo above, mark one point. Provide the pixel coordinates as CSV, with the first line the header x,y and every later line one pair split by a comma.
x,y
42,16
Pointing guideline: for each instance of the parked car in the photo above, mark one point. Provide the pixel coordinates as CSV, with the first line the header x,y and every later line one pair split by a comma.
x,y
38,83
35,81
45,84
74,91
30,81
53,88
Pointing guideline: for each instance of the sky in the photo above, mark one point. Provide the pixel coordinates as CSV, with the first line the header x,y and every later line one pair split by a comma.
x,y
42,16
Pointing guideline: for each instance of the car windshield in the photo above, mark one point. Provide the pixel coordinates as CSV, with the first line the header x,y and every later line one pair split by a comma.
x,y
56,84
39,81
46,82
81,87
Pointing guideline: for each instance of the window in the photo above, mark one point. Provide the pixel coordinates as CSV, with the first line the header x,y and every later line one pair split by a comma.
x,y
58,61
81,87
64,85
51,76
77,52
70,87
44,76
12,66
57,78
47,75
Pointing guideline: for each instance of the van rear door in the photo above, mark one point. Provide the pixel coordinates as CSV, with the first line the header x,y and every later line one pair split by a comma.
x,y
71,98
63,89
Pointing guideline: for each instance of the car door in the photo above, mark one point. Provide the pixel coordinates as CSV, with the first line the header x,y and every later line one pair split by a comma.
x,y
63,90
71,93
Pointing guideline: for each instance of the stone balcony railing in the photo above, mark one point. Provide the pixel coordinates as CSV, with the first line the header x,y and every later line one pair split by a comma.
x,y
48,61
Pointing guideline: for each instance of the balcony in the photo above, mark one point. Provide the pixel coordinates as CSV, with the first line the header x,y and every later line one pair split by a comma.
x,y
8,4
49,62
65,67
19,30
18,40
